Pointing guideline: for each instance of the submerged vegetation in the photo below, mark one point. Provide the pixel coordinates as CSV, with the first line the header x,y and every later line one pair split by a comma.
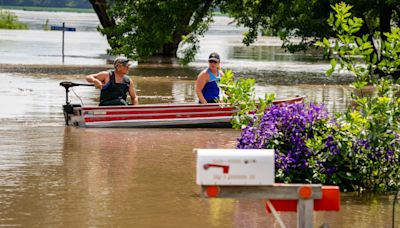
x,y
9,20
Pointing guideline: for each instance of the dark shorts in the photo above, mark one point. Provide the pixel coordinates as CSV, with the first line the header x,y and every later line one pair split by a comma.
x,y
113,102
210,101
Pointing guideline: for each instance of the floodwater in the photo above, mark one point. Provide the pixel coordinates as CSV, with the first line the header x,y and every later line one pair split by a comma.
x,y
264,60
57,176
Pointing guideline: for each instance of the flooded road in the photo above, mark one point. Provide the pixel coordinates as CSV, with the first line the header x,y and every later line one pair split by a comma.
x,y
57,176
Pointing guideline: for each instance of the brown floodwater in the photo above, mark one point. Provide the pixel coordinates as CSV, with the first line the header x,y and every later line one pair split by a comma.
x,y
57,176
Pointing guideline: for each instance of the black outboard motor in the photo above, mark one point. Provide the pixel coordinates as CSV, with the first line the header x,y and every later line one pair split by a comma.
x,y
68,108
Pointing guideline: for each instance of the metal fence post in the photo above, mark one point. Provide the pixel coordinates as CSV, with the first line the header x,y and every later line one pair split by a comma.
x,y
63,31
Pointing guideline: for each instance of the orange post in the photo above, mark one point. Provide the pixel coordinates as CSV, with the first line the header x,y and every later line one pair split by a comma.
x,y
212,191
305,192
330,200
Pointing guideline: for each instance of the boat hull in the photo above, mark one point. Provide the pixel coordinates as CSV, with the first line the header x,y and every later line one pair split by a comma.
x,y
155,115
169,115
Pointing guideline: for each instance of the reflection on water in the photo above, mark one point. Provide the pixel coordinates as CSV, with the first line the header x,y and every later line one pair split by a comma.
x,y
273,53
73,177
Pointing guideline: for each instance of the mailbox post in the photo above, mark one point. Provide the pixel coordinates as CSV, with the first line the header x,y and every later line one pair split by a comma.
x,y
235,173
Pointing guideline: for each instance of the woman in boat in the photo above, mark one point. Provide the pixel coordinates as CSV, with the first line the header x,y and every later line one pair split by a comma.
x,y
115,84
207,89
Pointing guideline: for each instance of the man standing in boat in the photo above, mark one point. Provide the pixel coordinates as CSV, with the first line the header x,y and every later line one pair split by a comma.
x,y
207,89
115,84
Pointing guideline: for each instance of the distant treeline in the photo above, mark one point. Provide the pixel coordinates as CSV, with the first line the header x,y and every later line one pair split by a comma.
x,y
48,3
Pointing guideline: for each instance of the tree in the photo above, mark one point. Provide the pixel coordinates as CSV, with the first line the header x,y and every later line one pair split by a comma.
x,y
142,28
107,22
307,19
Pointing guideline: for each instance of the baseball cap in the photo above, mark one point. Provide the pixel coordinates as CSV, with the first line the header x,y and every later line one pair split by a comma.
x,y
121,60
214,56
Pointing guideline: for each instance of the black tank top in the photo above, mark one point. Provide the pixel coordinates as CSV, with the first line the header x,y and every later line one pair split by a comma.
x,y
113,90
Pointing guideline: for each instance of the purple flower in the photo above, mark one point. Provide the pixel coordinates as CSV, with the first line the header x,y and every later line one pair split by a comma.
x,y
332,146
286,129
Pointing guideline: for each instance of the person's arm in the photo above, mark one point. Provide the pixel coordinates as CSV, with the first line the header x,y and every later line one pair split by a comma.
x,y
132,93
98,79
201,81
221,73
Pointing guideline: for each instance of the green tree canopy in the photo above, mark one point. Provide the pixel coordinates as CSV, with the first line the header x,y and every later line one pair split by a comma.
x,y
307,19
300,23
143,28
288,19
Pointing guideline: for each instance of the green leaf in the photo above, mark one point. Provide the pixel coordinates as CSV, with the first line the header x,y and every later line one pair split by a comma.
x,y
347,15
345,27
326,42
367,52
329,72
333,63
374,58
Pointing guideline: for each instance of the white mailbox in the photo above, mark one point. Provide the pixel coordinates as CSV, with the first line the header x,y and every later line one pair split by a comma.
x,y
235,167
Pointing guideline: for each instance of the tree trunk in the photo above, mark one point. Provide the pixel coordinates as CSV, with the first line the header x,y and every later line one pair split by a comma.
x,y
168,52
385,16
100,8
170,49
398,15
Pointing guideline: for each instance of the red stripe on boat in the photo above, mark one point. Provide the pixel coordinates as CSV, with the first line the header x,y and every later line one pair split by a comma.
x,y
156,111
157,117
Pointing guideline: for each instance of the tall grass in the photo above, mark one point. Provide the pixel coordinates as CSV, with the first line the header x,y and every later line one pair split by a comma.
x,y
9,20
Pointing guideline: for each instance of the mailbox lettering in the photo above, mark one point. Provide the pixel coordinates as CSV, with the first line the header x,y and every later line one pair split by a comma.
x,y
217,177
237,177
234,161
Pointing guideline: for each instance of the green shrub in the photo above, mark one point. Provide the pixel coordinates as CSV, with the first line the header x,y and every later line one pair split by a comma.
x,y
9,20
372,126
359,149
240,94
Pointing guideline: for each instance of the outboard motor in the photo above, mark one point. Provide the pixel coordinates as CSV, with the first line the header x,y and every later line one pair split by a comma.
x,y
69,111
68,108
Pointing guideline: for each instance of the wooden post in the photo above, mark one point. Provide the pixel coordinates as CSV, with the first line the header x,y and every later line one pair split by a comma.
x,y
305,211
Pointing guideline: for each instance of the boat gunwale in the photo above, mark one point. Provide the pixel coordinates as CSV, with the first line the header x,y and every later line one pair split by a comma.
x,y
152,114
